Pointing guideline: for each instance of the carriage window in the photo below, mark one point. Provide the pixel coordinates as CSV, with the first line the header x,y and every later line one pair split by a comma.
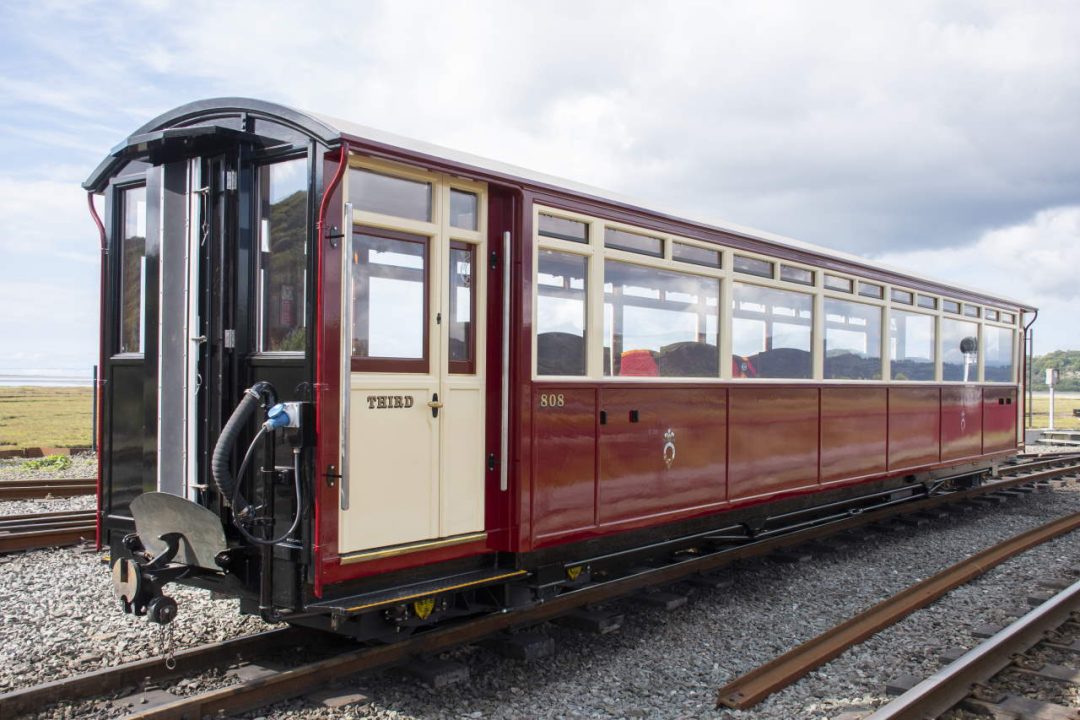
x,y
462,310
797,275
283,255
959,350
563,229
560,313
771,332
753,266
1008,317
696,255
389,195
659,322
992,315
871,290
852,340
390,290
971,311
902,296
633,242
133,270
950,306
463,209
998,362
911,345
841,284
928,302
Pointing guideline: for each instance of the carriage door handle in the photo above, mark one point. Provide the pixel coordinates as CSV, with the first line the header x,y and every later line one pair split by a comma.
x,y
435,405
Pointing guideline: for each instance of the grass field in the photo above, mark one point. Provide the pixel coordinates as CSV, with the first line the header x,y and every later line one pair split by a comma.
x,y
1063,412
45,417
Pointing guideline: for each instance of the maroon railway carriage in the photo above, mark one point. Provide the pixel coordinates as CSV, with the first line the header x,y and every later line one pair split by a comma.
x,y
366,383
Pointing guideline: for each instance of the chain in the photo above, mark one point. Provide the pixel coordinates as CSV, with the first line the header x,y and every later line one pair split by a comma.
x,y
165,642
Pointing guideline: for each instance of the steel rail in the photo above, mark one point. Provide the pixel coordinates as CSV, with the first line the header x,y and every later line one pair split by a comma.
x,y
111,679
948,686
1039,463
290,683
758,684
52,487
38,530
36,539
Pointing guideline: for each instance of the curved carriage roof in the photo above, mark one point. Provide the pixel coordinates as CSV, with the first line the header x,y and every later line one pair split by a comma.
x,y
331,131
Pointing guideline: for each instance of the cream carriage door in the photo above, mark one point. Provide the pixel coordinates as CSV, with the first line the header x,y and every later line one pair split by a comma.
x,y
413,470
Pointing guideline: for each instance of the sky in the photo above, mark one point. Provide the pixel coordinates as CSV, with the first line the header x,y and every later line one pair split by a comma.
x,y
941,137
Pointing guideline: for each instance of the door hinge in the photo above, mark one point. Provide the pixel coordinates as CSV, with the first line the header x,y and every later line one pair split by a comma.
x,y
332,475
493,259
491,462
230,339
230,180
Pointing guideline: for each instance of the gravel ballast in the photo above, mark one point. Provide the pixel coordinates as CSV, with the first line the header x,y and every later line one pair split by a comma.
x,y
58,617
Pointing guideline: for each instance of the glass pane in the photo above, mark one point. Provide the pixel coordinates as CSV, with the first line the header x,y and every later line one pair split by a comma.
x,y
463,209
770,332
998,363
871,290
563,229
950,306
133,270
959,350
461,309
560,314
283,257
928,302
696,255
902,296
389,297
633,242
388,195
852,340
992,315
911,346
971,311
753,266
1008,317
797,275
659,322
832,282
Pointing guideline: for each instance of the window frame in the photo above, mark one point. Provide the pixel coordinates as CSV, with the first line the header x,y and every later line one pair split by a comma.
x,y
597,253
421,365
259,307
464,367
120,225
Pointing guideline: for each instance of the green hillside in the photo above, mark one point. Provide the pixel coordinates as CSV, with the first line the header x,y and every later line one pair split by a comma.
x,y
1067,363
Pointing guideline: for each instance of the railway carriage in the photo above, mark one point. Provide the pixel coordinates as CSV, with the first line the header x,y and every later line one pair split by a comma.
x,y
369,384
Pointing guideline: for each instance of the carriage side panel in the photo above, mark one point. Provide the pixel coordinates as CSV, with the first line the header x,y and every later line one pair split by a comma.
x,y
773,440
854,433
999,419
961,421
636,479
564,459
914,427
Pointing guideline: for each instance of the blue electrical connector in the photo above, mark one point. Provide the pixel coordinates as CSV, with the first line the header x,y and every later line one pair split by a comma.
x,y
283,415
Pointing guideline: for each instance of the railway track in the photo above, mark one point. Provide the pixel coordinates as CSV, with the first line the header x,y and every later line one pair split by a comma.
x,y
49,487
1018,649
262,682
39,530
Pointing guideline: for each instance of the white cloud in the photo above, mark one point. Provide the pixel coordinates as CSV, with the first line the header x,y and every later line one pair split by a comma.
x,y
1034,261
868,127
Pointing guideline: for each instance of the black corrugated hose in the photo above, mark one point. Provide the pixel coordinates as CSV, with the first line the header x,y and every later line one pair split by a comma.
x,y
219,463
